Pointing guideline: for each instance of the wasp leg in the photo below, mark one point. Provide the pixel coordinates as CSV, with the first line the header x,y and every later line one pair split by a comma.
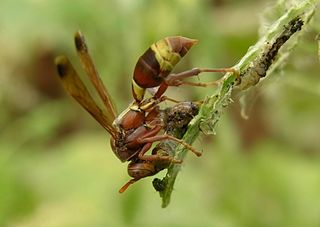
x,y
164,152
201,84
176,79
155,157
169,137
147,139
166,98
161,90
134,139
149,104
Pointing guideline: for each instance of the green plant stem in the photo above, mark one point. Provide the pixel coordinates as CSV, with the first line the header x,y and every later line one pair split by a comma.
x,y
252,67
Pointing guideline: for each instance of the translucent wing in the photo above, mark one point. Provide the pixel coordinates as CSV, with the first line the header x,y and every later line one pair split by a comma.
x,y
75,87
93,74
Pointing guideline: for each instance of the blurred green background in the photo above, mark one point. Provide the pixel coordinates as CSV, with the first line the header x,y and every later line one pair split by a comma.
x,y
56,165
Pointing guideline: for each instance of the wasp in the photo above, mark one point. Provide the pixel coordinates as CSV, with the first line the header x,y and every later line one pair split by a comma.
x,y
135,129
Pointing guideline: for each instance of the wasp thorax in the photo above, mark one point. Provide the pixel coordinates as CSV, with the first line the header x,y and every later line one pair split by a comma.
x,y
132,119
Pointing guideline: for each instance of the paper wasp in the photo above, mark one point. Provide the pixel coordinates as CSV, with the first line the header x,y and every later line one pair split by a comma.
x,y
135,130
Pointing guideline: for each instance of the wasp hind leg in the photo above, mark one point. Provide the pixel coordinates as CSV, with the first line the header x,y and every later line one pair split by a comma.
x,y
177,79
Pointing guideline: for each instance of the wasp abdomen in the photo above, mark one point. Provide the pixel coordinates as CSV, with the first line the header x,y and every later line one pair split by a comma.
x,y
157,62
147,70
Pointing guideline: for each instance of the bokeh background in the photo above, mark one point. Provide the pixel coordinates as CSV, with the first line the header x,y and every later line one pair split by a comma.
x,y
56,165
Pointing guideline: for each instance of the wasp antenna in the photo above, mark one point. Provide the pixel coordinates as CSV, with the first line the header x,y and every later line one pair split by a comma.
x,y
125,187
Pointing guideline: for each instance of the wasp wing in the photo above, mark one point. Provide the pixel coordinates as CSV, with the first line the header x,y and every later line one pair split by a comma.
x,y
93,74
75,88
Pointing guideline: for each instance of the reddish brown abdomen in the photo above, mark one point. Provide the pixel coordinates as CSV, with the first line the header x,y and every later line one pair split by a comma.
x,y
147,70
157,62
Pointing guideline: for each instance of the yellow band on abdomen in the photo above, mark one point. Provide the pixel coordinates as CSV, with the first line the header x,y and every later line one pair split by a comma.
x,y
164,55
137,91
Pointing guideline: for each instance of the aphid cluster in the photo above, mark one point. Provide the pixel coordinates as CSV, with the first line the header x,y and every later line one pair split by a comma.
x,y
260,66
176,119
135,129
